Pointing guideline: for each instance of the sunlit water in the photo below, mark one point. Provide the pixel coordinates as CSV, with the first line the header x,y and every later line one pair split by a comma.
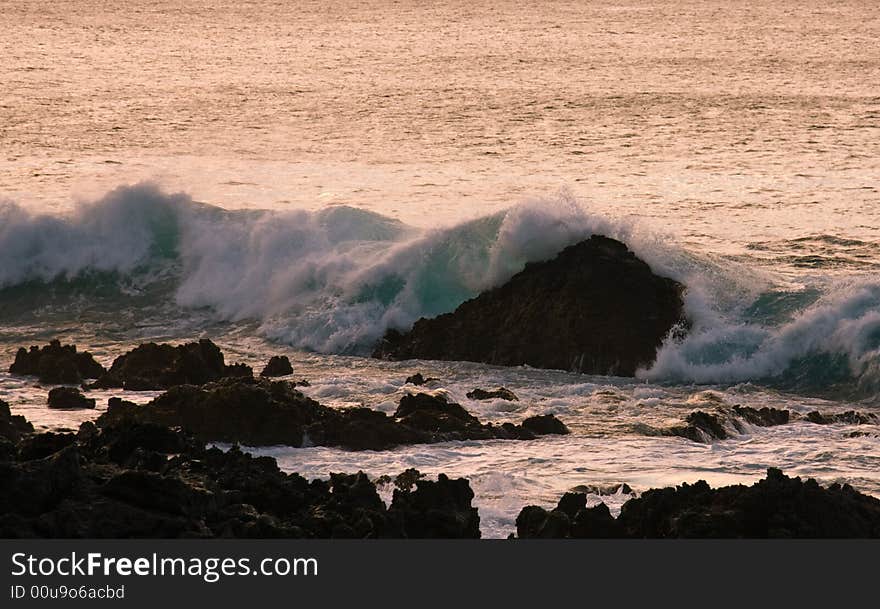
x,y
365,164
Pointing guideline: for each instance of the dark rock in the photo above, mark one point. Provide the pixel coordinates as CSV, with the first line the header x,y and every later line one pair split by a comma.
x,y
850,417
440,509
40,446
259,412
594,308
700,427
763,417
279,365
56,363
152,367
535,522
141,480
572,503
502,393
12,427
777,506
603,490
545,424
418,379
69,397
705,427
406,479
238,370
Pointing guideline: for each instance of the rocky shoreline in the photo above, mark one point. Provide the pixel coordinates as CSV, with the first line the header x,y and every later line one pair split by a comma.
x,y
149,470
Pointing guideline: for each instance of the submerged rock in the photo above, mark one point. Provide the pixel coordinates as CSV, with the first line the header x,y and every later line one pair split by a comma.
x,y
502,393
700,426
594,308
278,365
147,481
850,417
777,506
418,379
152,367
56,363
69,397
259,412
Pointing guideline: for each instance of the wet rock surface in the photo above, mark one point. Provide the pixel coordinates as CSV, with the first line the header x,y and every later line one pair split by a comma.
x,y
502,393
56,363
12,426
594,308
258,412
278,365
69,397
142,480
777,506
153,367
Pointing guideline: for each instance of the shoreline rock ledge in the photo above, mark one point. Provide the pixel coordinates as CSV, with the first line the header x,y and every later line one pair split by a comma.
x,y
595,308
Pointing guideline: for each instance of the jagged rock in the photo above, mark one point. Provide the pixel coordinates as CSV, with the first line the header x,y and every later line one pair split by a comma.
x,y
12,427
502,393
763,417
440,509
603,490
545,424
258,412
278,365
69,397
704,427
777,506
106,483
152,367
594,308
40,446
56,363
570,518
418,379
850,417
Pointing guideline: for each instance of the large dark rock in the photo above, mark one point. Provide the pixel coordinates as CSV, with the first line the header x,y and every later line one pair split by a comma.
x,y
594,308
259,412
56,363
69,397
151,367
12,427
278,365
502,393
777,506
141,480
440,509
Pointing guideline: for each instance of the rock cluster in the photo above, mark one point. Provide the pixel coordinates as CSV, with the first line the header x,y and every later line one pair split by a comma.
x,y
153,367
259,412
145,480
777,506
56,364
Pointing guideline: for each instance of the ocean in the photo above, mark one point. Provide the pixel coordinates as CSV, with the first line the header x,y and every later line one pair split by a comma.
x,y
295,178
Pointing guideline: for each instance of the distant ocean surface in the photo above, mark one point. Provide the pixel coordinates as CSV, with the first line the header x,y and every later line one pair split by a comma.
x,y
295,178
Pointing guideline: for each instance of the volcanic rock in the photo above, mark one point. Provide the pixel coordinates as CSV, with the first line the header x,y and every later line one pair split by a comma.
x,y
278,365
56,363
595,308
12,427
69,397
259,412
502,393
151,367
777,506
